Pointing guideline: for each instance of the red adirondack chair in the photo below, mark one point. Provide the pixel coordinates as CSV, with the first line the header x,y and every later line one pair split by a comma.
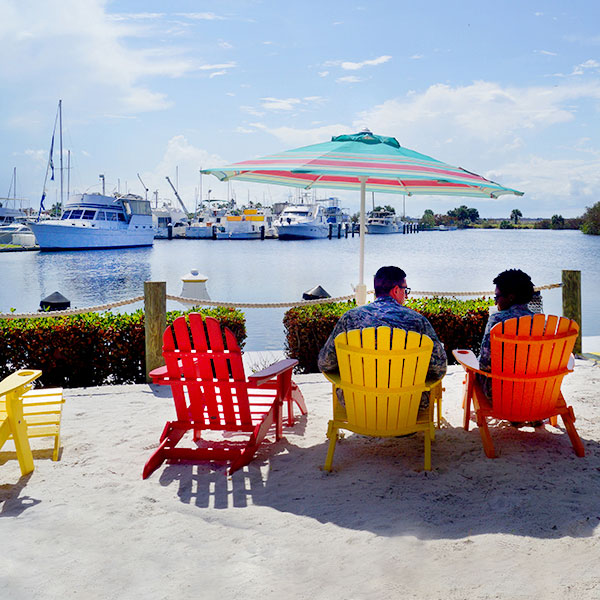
x,y
530,357
211,393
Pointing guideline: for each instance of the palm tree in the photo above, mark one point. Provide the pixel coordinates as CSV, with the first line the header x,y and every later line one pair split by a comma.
x,y
515,215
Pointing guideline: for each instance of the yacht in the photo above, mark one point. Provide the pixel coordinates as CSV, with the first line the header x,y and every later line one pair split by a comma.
x,y
91,221
169,221
252,224
311,221
383,221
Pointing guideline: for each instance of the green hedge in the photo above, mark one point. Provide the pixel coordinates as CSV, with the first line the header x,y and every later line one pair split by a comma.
x,y
89,349
458,323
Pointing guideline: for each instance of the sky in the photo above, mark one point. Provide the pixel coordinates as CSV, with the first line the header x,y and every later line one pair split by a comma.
x,y
506,89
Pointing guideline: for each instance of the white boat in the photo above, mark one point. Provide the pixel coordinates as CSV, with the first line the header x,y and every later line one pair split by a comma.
x,y
311,221
91,221
169,221
203,223
18,234
252,224
383,221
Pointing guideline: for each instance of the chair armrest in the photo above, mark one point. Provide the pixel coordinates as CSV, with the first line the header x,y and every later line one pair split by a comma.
x,y
18,379
272,371
334,378
469,361
431,383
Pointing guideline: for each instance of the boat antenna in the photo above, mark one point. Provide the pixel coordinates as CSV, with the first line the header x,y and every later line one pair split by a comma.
x,y
145,188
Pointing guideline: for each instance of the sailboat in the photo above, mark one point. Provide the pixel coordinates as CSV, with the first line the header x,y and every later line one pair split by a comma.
x,y
92,221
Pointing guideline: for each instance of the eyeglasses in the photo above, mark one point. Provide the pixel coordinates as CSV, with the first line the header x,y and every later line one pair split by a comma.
x,y
406,289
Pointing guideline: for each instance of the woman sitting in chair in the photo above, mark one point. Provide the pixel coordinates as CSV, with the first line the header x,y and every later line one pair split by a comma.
x,y
514,290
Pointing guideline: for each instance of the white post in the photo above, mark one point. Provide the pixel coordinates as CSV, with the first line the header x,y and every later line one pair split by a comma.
x,y
361,288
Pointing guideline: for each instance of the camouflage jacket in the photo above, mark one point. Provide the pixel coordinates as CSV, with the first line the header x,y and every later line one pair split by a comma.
x,y
515,311
385,311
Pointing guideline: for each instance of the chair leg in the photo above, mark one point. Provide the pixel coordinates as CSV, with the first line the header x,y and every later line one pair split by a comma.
x,y
427,466
332,434
486,438
468,394
569,421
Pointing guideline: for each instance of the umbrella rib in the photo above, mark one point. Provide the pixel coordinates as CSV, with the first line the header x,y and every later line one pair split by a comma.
x,y
309,186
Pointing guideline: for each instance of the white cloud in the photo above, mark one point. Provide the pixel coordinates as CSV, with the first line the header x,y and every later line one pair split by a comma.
x,y
546,52
323,73
217,74
220,66
292,137
226,45
349,79
201,16
354,66
280,103
102,68
416,57
134,16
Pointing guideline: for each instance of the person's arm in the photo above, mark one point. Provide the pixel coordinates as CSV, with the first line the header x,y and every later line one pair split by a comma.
x,y
485,356
438,363
328,362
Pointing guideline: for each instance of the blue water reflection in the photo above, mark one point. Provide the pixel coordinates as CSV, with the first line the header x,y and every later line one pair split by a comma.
x,y
279,271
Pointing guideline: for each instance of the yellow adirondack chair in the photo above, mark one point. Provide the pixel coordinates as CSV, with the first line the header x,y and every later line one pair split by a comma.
x,y
12,421
382,375
31,413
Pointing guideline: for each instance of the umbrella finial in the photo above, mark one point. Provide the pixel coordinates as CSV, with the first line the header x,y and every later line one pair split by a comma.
x,y
365,130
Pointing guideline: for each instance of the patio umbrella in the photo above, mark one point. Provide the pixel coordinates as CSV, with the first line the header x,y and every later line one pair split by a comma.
x,y
367,162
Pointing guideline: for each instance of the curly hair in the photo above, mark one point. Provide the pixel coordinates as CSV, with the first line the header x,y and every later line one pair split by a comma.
x,y
517,282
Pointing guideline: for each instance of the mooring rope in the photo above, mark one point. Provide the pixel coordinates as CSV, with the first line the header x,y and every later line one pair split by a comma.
x,y
196,302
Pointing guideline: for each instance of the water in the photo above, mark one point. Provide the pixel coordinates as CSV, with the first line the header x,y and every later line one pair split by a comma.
x,y
278,271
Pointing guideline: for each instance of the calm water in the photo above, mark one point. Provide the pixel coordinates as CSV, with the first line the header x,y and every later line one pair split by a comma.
x,y
277,271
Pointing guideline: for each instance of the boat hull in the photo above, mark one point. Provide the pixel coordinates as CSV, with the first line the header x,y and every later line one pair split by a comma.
x,y
51,236
302,232
383,229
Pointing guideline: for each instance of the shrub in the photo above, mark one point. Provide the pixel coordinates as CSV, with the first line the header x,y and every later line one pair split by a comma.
x,y
89,349
458,324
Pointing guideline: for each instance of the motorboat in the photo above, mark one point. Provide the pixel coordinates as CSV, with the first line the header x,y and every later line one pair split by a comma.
x,y
311,221
383,221
91,221
252,224
169,222
211,215
17,234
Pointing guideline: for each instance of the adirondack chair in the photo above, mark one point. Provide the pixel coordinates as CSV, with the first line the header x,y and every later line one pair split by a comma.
x,y
212,393
382,375
39,411
530,357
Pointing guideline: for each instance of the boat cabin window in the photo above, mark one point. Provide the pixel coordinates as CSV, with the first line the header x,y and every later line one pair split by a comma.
x,y
88,214
111,216
100,215
120,217
137,207
76,214
66,214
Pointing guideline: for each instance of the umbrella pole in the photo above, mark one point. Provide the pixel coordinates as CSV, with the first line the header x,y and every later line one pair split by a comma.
x,y
361,288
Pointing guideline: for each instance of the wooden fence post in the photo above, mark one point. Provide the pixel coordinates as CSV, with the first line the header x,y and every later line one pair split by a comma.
x,y
571,301
155,320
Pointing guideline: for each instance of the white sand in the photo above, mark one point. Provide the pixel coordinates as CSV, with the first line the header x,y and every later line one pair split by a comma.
x,y
525,525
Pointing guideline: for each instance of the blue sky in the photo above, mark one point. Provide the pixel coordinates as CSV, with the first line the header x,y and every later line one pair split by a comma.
x,y
507,89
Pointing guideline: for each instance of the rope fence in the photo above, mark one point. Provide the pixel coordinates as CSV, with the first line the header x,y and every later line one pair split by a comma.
x,y
196,302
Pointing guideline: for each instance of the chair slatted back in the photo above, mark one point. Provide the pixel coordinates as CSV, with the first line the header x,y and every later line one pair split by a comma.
x,y
382,374
529,361
206,373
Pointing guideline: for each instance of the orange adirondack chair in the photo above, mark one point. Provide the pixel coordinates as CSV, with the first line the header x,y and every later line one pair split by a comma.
x,y
530,357
212,393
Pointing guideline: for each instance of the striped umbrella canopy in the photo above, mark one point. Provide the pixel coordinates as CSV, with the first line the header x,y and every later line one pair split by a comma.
x,y
367,162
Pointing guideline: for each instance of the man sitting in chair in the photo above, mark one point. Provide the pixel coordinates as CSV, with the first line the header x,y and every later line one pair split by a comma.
x,y
387,310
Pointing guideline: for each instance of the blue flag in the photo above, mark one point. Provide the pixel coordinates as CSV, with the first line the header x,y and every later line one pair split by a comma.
x,y
51,159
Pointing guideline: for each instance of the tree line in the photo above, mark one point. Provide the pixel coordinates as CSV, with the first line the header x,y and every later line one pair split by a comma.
x,y
464,217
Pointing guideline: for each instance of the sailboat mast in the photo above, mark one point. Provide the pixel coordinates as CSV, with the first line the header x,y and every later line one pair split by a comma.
x,y
61,152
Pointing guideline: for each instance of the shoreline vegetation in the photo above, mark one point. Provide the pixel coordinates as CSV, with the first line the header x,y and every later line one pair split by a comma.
x,y
464,217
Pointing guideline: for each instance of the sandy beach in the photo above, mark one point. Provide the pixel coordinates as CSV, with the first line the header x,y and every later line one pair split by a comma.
x,y
525,525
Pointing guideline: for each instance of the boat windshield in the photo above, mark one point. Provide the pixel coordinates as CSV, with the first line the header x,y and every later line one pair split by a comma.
x,y
76,214
66,214
88,214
